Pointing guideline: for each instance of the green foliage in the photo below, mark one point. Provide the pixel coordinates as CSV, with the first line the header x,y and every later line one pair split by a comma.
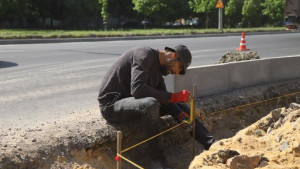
x,y
233,12
202,6
104,13
171,10
147,7
121,9
274,10
80,13
14,11
252,13
162,10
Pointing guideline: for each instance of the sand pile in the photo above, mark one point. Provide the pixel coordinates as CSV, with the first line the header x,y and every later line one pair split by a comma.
x,y
270,143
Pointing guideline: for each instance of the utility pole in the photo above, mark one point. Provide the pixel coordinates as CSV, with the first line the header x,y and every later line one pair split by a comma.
x,y
220,5
220,25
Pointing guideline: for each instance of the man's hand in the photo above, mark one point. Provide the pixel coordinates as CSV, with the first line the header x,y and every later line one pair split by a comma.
x,y
185,117
182,96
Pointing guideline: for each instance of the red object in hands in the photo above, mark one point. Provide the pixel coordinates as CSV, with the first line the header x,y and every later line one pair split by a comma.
x,y
182,96
183,116
117,158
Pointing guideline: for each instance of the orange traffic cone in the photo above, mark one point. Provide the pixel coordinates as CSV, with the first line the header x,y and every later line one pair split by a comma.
x,y
242,43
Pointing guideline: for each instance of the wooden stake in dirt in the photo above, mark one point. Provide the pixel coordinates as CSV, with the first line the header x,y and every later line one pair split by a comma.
x,y
193,118
119,141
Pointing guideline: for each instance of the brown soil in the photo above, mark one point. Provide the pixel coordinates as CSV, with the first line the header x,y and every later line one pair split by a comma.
x,y
275,139
84,140
238,56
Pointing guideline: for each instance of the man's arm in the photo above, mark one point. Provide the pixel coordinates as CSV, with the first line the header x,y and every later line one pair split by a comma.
x,y
140,89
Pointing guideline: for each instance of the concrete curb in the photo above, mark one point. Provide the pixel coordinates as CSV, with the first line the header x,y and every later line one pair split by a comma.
x,y
213,79
95,39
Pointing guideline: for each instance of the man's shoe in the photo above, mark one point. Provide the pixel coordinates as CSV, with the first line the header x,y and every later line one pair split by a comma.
x,y
209,143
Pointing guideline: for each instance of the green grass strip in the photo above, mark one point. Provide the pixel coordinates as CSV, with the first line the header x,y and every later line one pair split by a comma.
x,y
44,34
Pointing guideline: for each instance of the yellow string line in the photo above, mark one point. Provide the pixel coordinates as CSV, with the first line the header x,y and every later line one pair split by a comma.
x,y
189,123
245,105
211,113
151,137
130,161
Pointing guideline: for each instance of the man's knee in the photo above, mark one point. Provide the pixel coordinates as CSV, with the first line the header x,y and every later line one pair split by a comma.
x,y
152,107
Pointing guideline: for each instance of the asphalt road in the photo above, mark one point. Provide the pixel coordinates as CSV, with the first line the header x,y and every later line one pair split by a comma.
x,y
51,80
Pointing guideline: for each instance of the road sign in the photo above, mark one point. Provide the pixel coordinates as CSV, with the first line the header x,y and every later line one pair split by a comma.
x,y
220,4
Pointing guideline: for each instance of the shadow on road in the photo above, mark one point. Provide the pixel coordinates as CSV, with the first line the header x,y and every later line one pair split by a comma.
x,y
4,64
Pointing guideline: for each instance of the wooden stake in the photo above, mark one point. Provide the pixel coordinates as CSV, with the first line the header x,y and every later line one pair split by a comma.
x,y
193,114
119,141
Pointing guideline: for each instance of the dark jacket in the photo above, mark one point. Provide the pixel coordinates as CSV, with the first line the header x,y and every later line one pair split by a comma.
x,y
135,74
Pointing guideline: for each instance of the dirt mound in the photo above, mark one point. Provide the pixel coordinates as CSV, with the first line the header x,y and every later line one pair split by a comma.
x,y
272,142
238,56
83,139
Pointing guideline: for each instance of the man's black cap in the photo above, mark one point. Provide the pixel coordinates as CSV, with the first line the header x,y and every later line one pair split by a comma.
x,y
184,56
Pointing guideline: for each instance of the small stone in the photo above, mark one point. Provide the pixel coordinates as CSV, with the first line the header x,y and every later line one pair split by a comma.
x,y
278,123
278,139
205,163
30,130
34,140
294,125
293,138
294,106
259,132
39,129
284,146
263,164
239,139
269,130
276,113
226,154
243,161
296,150
221,143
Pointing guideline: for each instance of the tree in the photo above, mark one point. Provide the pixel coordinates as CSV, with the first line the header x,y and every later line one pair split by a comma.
x,y
252,13
121,9
14,12
80,13
203,6
147,7
175,9
274,10
233,12
161,11
104,12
